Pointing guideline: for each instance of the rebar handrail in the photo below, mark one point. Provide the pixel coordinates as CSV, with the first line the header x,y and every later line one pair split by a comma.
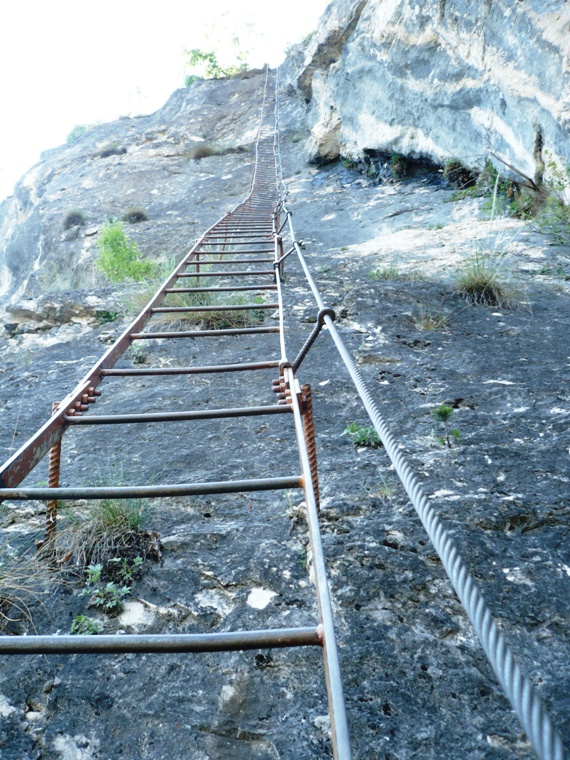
x,y
528,706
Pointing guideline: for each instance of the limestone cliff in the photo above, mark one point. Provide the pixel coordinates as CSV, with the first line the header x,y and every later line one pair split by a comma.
x,y
151,162
439,79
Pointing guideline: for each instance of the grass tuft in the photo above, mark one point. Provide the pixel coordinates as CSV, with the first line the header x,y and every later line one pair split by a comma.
x,y
23,579
387,273
482,282
134,216
74,218
107,529
202,150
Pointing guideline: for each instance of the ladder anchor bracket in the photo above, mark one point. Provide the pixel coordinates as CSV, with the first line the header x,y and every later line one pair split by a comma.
x,y
280,261
326,312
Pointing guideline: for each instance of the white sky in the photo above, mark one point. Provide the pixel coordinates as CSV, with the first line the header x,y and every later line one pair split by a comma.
x,y
65,62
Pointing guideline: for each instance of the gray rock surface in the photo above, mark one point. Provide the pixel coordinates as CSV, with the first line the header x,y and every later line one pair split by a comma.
x,y
156,173
439,79
416,681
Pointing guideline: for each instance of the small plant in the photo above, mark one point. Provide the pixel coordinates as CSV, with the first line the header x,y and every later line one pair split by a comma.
x,y
128,569
468,192
108,597
554,220
384,490
104,317
74,218
134,216
120,258
388,273
443,414
83,625
207,320
361,435
139,354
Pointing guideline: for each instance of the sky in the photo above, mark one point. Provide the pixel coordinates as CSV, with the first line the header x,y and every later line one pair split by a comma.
x,y
65,63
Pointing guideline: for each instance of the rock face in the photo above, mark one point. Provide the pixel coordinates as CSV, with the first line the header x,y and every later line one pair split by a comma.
x,y
440,79
385,257
151,162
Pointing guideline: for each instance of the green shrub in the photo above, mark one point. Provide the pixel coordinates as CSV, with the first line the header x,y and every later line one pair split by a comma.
x,y
361,435
548,204
136,301
74,218
134,215
120,258
205,65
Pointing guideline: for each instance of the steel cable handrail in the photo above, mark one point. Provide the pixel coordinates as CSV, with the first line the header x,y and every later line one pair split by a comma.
x,y
528,706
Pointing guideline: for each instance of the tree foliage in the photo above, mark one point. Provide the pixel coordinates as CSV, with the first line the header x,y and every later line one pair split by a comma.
x,y
204,64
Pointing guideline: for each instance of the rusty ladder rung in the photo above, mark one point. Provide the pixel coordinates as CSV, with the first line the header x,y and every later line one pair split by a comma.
x,y
149,492
202,414
162,643
205,333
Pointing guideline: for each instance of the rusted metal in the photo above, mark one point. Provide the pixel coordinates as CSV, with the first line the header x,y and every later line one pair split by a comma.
x,y
227,307
238,240
206,333
163,643
240,253
221,289
214,273
148,492
53,482
310,441
245,367
203,414
313,336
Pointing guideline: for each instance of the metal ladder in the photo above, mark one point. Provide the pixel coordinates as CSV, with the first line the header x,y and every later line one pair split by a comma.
x,y
241,253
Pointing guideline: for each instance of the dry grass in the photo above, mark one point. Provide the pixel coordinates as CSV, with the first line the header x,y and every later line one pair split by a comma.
x,y
103,530
24,579
387,273
430,317
483,282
